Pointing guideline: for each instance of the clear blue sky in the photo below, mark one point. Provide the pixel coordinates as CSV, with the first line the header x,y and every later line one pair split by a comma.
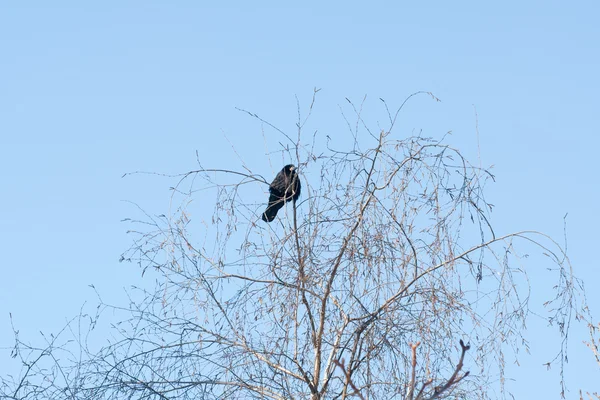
x,y
89,92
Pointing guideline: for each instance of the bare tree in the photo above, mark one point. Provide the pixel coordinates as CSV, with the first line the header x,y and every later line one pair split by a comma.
x,y
368,286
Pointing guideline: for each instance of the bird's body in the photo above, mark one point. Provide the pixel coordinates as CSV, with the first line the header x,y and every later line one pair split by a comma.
x,y
285,187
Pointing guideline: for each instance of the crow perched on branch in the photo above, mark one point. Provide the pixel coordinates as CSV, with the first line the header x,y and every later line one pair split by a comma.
x,y
285,187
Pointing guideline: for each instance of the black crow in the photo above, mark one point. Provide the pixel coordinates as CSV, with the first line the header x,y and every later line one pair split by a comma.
x,y
285,187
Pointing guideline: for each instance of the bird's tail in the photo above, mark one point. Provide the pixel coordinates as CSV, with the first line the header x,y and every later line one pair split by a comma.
x,y
269,214
275,204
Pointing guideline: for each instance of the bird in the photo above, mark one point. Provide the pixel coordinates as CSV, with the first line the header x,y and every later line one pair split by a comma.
x,y
285,187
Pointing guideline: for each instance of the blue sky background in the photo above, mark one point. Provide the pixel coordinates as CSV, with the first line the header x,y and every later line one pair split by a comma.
x,y
89,92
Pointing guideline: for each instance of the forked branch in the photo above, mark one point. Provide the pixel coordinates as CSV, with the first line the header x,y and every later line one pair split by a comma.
x,y
438,391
